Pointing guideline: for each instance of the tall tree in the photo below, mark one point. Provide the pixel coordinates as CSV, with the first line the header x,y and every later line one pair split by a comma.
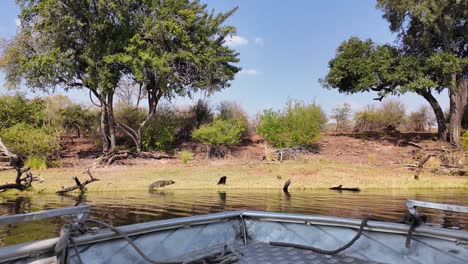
x,y
178,49
363,66
71,44
439,30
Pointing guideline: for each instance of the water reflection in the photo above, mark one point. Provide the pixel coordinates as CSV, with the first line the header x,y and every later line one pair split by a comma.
x,y
122,208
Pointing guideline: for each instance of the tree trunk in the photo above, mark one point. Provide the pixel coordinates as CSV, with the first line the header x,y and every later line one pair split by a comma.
x,y
104,128
110,119
438,112
458,94
154,95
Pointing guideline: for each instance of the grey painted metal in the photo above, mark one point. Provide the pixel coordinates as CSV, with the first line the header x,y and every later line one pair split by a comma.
x,y
372,246
160,245
381,242
378,226
259,252
412,204
20,218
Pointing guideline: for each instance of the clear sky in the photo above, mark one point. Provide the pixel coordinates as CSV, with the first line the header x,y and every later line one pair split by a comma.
x,y
284,49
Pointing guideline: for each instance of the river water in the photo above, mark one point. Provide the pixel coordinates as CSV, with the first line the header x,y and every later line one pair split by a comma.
x,y
122,208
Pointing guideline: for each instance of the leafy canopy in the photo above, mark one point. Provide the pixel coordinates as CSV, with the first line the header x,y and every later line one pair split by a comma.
x,y
220,132
296,125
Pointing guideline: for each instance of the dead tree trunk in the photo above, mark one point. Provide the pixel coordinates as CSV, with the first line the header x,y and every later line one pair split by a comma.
x,y
79,185
24,176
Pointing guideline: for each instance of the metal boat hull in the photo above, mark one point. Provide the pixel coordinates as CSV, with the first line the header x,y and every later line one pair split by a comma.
x,y
174,239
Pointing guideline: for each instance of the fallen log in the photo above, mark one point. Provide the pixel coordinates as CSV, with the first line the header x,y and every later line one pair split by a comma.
x,y
24,177
79,185
341,188
421,165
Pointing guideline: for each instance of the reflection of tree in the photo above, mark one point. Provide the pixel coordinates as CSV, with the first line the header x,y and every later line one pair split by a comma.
x,y
79,200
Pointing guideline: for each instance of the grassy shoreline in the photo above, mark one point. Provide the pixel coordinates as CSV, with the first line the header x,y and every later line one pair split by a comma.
x,y
305,174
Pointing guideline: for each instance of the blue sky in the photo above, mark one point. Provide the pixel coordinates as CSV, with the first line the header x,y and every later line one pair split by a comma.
x,y
284,49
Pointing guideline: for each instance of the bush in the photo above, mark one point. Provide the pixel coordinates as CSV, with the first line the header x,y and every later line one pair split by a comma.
x,y
388,117
341,115
298,124
160,132
36,163
76,119
26,140
17,109
220,132
186,156
229,110
464,140
420,120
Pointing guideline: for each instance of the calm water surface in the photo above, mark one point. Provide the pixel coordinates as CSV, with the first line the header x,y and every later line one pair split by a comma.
x,y
122,208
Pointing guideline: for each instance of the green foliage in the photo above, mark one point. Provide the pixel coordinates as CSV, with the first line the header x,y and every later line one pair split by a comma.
x,y
202,113
36,163
75,118
17,109
298,124
464,140
129,115
220,132
186,156
160,133
341,115
26,140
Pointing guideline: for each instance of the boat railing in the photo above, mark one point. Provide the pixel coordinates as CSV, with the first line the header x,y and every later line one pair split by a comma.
x,y
413,204
79,213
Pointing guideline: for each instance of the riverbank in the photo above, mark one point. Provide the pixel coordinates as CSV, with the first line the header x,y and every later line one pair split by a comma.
x,y
309,172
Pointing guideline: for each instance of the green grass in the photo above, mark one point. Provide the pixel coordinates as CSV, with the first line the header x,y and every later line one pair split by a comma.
x,y
316,173
36,163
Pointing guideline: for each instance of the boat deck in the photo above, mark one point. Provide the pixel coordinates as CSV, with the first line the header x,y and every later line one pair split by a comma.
x,y
260,252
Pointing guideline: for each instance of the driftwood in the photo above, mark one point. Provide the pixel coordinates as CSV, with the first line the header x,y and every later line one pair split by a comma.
x,y
79,185
222,180
112,157
421,165
341,188
286,186
24,176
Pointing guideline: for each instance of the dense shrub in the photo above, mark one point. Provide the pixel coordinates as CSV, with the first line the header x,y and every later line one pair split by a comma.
x,y
298,124
26,140
389,116
464,140
18,109
129,115
160,132
220,132
229,110
191,118
421,120
74,118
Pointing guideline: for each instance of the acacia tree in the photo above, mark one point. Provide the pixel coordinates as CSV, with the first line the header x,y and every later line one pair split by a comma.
x,y
71,44
178,49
